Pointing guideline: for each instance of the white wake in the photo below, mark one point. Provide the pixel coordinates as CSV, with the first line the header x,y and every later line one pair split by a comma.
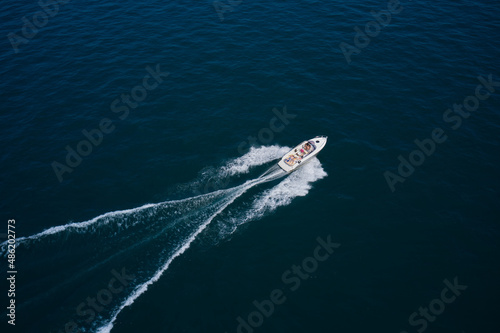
x,y
150,237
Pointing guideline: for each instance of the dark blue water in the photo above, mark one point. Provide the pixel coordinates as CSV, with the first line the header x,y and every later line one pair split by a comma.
x,y
134,135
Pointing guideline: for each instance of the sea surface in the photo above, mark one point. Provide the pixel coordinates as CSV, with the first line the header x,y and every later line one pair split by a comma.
x,y
139,142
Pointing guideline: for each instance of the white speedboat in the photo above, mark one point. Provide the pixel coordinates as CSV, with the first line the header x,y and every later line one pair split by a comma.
x,y
302,154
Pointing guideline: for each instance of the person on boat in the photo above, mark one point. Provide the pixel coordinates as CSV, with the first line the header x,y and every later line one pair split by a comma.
x,y
306,149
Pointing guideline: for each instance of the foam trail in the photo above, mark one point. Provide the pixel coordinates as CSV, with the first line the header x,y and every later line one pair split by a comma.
x,y
78,225
139,290
211,179
68,263
101,219
273,172
240,165
297,184
256,156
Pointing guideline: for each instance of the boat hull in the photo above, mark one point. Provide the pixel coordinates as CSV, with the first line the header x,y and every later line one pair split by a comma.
x,y
299,155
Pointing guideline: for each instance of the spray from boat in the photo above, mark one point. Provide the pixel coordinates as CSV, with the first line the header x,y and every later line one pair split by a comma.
x,y
146,239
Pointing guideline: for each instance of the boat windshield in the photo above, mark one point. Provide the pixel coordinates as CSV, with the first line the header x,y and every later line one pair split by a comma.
x,y
309,146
